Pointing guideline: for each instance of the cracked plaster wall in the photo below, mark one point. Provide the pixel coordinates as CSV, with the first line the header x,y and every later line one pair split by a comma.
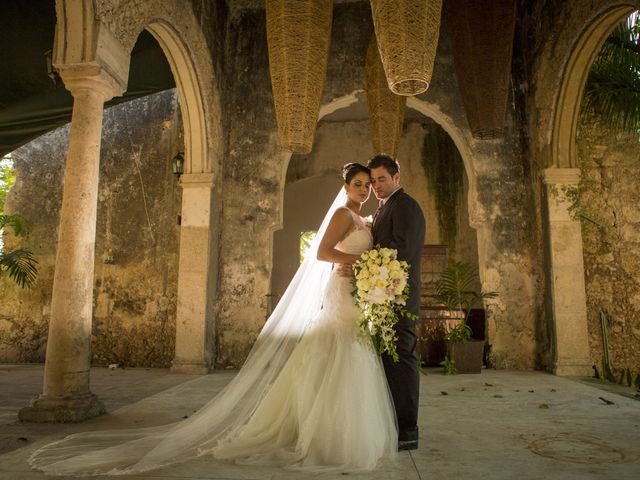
x,y
138,204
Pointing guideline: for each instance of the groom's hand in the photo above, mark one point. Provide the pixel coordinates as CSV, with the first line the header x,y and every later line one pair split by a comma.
x,y
345,269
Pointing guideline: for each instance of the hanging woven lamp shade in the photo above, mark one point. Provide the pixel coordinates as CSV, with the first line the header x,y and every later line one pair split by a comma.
x,y
407,32
481,34
386,109
298,34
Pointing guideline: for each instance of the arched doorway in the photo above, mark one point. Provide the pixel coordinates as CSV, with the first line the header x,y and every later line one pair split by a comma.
x,y
342,136
566,302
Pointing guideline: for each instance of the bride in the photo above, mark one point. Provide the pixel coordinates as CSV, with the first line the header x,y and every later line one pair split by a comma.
x,y
311,395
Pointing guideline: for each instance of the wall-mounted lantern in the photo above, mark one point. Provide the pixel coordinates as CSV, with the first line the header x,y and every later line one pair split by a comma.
x,y
177,164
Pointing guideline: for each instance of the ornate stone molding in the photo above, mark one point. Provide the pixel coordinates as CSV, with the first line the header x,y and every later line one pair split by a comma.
x,y
81,40
561,176
91,79
189,180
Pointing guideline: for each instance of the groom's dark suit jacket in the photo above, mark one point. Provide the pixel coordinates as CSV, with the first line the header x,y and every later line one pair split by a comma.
x,y
400,224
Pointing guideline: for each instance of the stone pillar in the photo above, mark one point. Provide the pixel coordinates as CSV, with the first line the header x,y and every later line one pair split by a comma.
x,y
66,396
197,274
566,275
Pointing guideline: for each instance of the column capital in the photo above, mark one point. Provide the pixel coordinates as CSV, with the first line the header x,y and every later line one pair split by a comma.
x,y
561,176
82,41
92,78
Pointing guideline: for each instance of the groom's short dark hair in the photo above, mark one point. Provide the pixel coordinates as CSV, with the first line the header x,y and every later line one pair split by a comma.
x,y
386,161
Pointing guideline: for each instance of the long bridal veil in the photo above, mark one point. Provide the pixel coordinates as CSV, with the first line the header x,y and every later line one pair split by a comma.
x,y
118,452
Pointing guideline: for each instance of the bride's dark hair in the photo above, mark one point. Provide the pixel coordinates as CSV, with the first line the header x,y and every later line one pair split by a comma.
x,y
350,170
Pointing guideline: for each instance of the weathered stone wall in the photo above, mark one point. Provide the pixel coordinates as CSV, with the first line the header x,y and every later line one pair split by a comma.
x,y
500,200
608,206
229,49
547,33
138,206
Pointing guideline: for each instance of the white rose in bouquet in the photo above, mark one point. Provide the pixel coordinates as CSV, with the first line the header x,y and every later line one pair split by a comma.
x,y
381,290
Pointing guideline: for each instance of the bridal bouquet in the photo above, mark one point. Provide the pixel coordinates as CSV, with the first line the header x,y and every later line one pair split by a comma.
x,y
381,291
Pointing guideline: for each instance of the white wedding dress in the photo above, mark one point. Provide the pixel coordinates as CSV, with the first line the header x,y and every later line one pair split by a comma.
x,y
326,406
330,406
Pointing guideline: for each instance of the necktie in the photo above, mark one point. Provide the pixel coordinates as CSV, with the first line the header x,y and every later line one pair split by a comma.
x,y
375,215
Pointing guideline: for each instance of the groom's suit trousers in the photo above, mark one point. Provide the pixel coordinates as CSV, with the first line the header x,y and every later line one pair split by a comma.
x,y
400,224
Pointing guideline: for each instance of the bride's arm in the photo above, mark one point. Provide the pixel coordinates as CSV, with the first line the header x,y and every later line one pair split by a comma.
x,y
339,226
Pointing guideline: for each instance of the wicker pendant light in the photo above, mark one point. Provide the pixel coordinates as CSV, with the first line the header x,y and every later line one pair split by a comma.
x,y
481,34
407,32
298,34
386,109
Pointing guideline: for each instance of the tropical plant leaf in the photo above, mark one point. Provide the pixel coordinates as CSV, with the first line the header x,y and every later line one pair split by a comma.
x,y
454,288
613,86
454,282
20,225
21,266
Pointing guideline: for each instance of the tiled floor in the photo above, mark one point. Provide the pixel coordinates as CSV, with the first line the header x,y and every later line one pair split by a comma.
x,y
496,425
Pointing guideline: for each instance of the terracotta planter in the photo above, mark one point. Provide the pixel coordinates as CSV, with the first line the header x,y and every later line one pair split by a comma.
x,y
466,355
434,323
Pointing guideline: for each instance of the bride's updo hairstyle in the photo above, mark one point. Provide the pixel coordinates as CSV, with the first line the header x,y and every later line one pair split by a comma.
x,y
350,170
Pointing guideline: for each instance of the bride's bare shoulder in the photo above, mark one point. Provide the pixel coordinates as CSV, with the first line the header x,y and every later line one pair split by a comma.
x,y
342,213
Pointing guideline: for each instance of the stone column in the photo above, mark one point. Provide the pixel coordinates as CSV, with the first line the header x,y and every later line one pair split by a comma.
x,y
566,275
66,396
197,274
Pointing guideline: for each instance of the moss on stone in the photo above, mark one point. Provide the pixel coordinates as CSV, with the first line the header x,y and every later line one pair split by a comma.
x,y
444,170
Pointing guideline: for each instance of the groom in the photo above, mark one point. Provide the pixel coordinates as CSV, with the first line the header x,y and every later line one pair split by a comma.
x,y
399,224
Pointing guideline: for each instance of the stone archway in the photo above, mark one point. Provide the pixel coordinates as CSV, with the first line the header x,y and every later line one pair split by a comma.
x,y
574,78
92,54
179,33
476,213
196,277
303,187
197,159
575,48
182,40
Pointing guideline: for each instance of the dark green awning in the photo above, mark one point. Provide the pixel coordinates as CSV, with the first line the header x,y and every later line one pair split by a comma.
x,y
31,104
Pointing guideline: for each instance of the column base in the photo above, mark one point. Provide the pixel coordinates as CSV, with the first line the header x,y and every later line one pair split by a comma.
x,y
62,409
573,368
189,368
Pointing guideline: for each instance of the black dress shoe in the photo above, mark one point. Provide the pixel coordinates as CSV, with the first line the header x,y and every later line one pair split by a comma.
x,y
407,445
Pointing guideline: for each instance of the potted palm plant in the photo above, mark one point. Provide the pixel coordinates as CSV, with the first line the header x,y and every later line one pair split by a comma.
x,y
454,289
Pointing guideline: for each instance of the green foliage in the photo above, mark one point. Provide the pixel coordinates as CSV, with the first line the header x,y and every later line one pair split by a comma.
x,y
624,375
21,226
613,86
459,333
7,179
454,289
306,238
449,366
20,264
444,170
